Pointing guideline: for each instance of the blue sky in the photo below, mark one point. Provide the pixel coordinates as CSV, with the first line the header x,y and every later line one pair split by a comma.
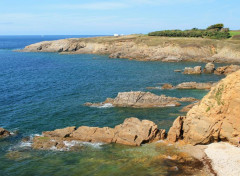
x,y
53,17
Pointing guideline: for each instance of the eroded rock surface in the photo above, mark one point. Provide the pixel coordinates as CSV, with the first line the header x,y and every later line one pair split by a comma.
x,y
132,132
209,68
227,69
216,117
195,85
140,99
194,70
4,133
167,86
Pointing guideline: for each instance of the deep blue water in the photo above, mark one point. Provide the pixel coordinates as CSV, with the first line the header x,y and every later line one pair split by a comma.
x,y
45,91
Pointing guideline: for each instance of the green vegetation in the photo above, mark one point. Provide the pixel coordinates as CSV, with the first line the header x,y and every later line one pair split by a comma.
x,y
233,33
218,95
208,109
214,32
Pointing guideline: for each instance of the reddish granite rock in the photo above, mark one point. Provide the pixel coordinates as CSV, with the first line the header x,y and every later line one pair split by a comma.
x,y
195,85
4,133
209,68
167,86
132,132
215,118
226,69
195,70
140,99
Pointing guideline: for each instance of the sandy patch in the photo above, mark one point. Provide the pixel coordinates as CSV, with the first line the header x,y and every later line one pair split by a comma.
x,y
225,158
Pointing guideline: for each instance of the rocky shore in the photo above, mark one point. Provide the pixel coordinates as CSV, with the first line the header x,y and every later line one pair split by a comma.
x,y
146,48
212,120
132,132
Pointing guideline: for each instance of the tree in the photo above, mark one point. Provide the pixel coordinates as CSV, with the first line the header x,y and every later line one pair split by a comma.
x,y
216,27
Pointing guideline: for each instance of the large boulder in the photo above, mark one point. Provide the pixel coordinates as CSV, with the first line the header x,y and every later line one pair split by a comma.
x,y
140,99
4,133
209,68
132,132
226,69
195,70
216,117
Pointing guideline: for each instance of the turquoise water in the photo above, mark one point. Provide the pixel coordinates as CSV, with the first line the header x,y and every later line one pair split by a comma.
x,y
45,91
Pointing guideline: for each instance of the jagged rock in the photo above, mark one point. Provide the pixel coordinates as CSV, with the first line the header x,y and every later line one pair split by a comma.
x,y
217,116
226,69
60,133
132,132
167,86
195,70
175,133
140,99
209,68
188,107
195,85
4,133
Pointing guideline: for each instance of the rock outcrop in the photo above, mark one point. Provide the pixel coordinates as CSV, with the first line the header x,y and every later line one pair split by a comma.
x,y
146,48
216,117
227,69
209,68
167,86
192,71
132,132
4,133
140,99
176,131
188,107
195,85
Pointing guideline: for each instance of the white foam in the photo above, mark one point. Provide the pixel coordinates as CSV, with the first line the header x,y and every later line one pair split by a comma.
x,y
70,144
106,105
25,144
170,105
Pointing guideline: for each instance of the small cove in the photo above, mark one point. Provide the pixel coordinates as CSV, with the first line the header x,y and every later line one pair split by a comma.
x,y
45,91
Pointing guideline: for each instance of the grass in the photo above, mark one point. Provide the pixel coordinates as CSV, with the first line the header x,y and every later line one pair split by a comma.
x,y
233,33
165,41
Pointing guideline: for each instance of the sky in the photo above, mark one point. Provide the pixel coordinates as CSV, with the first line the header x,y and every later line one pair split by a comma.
x,y
106,17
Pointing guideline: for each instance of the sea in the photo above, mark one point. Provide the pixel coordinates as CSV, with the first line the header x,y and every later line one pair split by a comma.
x,y
46,91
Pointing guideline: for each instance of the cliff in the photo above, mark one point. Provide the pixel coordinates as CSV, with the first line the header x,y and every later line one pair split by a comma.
x,y
215,118
147,48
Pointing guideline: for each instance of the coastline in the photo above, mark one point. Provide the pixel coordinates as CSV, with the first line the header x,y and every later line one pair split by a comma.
x,y
147,48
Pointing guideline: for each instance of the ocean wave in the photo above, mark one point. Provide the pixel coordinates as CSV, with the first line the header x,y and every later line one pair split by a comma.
x,y
26,144
106,105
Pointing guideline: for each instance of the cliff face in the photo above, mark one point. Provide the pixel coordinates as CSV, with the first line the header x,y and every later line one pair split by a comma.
x,y
146,48
215,118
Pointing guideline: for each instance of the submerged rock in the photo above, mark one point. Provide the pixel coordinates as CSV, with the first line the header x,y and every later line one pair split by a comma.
x,y
226,69
140,99
132,132
195,70
4,133
216,117
167,86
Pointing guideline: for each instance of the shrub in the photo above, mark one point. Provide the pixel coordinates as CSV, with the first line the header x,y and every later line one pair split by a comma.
x,y
216,26
215,32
